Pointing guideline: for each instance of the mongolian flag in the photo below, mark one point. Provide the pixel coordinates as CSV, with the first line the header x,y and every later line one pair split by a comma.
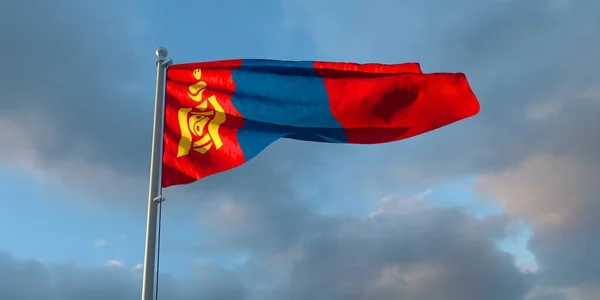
x,y
219,115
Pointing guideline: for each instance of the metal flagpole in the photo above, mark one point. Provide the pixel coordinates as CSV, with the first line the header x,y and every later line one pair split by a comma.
x,y
155,188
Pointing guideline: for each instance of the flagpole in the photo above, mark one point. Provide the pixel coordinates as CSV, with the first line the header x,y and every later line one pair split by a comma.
x,y
155,187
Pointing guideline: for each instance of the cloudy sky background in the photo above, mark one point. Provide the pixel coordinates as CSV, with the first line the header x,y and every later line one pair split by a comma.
x,y
502,206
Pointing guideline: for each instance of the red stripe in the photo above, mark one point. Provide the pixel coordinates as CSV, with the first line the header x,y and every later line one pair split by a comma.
x,y
191,167
391,108
335,69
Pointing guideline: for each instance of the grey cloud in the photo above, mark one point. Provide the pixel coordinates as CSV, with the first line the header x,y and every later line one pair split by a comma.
x,y
505,47
416,256
413,255
72,78
559,197
518,55
76,87
542,169
31,279
411,252
522,54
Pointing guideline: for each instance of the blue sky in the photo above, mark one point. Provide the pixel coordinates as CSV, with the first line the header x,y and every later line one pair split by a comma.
x,y
501,205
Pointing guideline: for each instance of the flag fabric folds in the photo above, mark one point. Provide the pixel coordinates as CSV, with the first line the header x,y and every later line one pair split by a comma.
x,y
219,115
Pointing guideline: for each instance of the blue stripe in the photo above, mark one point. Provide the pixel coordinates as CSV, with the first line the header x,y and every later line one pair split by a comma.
x,y
282,99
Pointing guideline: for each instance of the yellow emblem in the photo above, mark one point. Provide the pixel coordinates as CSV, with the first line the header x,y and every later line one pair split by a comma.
x,y
200,124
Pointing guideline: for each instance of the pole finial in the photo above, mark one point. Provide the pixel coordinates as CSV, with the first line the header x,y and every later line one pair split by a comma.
x,y
161,53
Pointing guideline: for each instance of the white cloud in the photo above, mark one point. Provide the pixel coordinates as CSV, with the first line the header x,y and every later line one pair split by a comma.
x,y
100,243
546,190
556,100
544,110
400,206
575,292
115,264
138,268
407,277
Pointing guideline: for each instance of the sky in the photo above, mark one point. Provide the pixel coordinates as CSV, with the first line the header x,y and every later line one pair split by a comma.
x,y
502,206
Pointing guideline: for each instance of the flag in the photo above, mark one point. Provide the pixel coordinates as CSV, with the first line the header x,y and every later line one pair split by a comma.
x,y
221,114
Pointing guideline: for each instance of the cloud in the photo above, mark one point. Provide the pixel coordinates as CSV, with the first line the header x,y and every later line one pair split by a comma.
x,y
31,279
115,264
533,65
416,256
558,196
515,64
425,253
543,167
538,157
138,267
573,293
406,206
71,110
510,73
86,123
66,90
99,243
550,192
